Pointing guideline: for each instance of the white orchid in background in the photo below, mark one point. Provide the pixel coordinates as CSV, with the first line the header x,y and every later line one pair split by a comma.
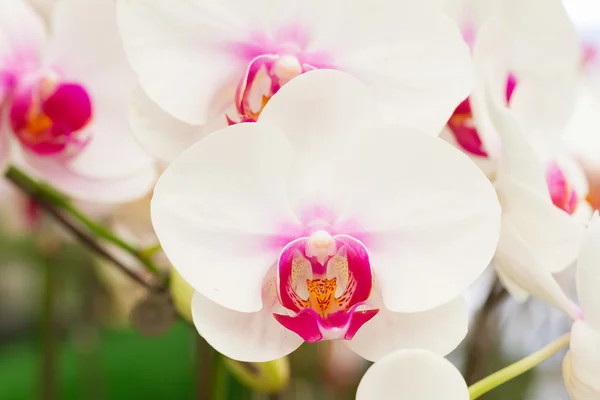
x,y
533,61
537,238
581,367
320,222
64,97
412,375
202,63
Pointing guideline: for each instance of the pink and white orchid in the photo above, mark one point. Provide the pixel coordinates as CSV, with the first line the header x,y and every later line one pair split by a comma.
x,y
581,365
202,64
532,61
319,222
64,96
537,238
412,375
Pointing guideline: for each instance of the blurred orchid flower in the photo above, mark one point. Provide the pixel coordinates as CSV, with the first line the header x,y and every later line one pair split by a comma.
x,y
581,365
537,238
415,375
321,222
64,97
202,64
532,61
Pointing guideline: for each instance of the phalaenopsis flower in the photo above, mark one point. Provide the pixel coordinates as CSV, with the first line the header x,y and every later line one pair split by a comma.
x,y
319,221
64,92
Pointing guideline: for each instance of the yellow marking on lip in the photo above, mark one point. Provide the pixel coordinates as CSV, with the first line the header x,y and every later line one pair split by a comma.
x,y
322,295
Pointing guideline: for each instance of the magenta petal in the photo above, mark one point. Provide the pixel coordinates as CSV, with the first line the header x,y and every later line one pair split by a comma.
x,y
360,275
511,83
466,136
304,324
19,107
339,325
464,107
69,107
359,318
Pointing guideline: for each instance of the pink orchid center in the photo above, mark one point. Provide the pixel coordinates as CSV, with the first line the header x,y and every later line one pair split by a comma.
x,y
48,117
562,192
325,283
264,76
463,128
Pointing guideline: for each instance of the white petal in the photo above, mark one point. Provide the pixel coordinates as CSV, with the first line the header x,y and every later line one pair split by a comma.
x,y
251,337
112,152
160,134
551,234
182,52
439,330
413,57
431,218
520,266
580,136
218,207
588,273
585,349
543,61
323,113
577,389
544,118
321,108
22,32
519,161
86,48
111,190
412,375
541,43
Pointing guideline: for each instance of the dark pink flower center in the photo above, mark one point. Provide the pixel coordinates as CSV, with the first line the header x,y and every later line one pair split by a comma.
x,y
463,128
264,76
324,282
49,116
271,63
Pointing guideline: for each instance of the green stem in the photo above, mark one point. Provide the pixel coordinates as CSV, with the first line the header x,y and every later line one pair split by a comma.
x,y
41,191
219,378
49,364
150,251
512,371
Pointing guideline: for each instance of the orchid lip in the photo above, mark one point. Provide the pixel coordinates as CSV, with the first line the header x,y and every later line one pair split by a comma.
x,y
48,116
265,75
324,282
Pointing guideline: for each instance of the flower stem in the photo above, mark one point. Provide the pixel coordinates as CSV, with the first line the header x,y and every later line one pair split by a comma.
x,y
512,371
43,192
49,339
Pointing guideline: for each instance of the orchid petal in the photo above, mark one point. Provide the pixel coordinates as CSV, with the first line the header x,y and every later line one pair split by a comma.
x,y
588,273
160,134
218,208
414,375
102,70
431,218
182,52
22,33
521,268
585,351
395,331
552,235
250,337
